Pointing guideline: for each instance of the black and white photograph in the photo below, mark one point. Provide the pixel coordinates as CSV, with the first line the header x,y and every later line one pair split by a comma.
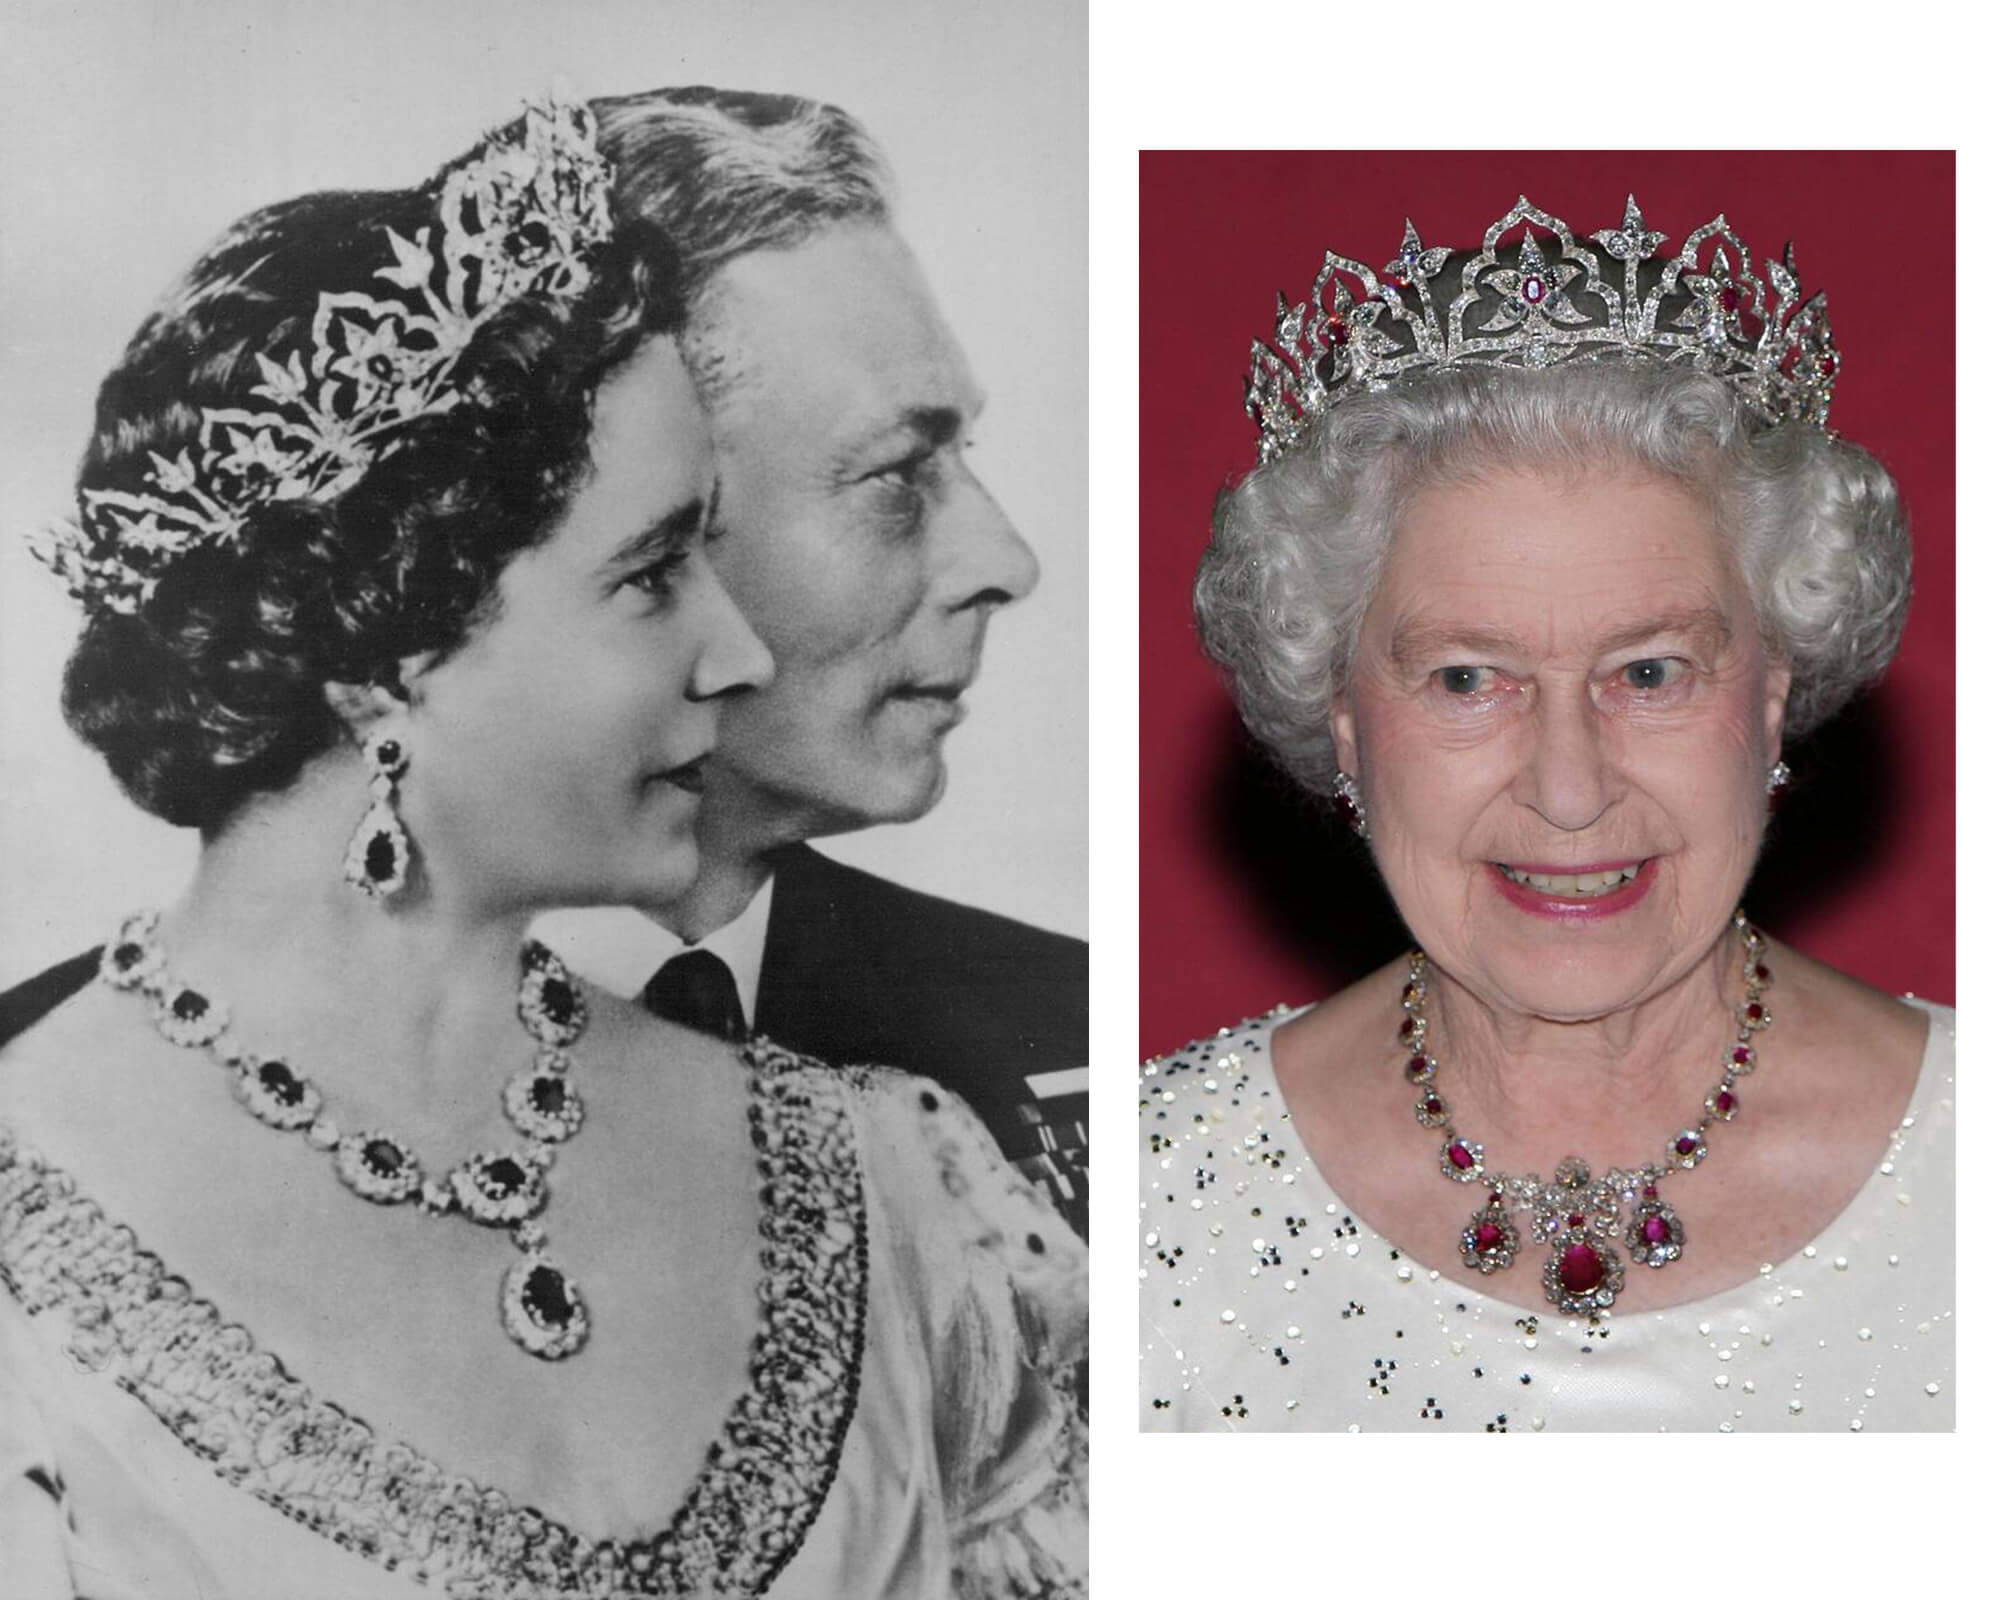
x,y
543,781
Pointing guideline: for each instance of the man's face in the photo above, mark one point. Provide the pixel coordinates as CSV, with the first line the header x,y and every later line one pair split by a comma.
x,y
858,542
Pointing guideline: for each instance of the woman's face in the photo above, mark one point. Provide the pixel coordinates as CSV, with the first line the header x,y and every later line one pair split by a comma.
x,y
557,758
1560,678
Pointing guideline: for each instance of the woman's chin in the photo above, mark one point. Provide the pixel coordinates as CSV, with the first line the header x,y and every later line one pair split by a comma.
x,y
666,883
1551,952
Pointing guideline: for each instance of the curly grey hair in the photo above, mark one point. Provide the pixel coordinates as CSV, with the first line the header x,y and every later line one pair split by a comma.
x,y
1299,544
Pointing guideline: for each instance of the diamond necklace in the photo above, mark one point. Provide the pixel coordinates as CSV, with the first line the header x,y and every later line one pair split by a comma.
x,y
539,1306
1576,1216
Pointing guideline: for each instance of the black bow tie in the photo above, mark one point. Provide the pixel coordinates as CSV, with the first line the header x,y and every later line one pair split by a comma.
x,y
696,988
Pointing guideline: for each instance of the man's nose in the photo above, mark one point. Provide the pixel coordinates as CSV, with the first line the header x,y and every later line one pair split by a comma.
x,y
982,559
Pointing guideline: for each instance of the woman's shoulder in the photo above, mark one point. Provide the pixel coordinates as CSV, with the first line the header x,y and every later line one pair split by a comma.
x,y
1862,1042
959,1212
1180,1083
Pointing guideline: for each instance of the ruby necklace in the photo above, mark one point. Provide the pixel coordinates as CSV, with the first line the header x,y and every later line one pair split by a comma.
x,y
540,1307
1580,1218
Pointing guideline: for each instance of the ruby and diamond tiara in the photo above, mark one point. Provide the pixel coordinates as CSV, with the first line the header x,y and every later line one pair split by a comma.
x,y
1541,303
521,217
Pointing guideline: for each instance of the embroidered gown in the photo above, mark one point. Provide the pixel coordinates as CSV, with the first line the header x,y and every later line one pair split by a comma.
x,y
908,1427
1266,1304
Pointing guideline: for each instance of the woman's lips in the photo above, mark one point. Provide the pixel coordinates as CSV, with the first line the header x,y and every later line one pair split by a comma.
x,y
689,775
942,702
1569,893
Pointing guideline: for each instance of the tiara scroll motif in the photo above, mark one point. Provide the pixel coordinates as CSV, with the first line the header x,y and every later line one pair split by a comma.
x,y
1543,303
519,218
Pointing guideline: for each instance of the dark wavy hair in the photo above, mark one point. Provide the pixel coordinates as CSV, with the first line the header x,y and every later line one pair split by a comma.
x,y
215,690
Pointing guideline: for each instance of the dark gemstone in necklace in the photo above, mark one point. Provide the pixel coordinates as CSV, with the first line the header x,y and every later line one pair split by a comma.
x,y
559,1001
549,1096
189,1006
546,1295
280,1084
504,1177
380,860
1581,1269
127,956
382,1157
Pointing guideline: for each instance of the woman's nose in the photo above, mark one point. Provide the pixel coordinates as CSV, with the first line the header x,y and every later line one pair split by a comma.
x,y
1567,775
731,655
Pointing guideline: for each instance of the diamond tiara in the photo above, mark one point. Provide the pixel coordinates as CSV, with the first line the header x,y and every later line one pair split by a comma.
x,y
1541,303
519,218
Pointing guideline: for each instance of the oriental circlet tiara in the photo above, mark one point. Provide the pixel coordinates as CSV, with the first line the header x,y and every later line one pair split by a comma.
x,y
518,218
1542,301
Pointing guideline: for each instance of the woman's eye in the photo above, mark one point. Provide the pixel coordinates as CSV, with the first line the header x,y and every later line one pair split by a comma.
x,y
658,580
1464,680
1656,672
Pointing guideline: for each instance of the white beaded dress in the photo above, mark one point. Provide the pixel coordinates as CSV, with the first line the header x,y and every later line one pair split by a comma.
x,y
909,1425
1265,1304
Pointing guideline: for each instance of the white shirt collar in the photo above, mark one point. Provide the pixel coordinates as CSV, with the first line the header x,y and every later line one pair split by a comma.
x,y
620,949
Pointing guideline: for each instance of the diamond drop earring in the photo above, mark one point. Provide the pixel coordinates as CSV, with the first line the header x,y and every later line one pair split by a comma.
x,y
378,856
1777,778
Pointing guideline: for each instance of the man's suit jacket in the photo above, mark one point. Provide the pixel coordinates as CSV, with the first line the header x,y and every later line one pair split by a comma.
x,y
858,969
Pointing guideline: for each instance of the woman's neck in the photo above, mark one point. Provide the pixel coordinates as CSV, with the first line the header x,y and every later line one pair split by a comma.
x,y
1611,1090
402,1010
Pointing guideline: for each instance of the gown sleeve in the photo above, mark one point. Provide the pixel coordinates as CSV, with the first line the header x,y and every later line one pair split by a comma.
x,y
33,1550
1003,1283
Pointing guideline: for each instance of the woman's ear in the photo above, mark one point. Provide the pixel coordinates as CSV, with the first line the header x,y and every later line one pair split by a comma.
x,y
1346,746
1777,690
366,708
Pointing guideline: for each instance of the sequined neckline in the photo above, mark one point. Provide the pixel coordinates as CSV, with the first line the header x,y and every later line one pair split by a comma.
x,y
1921,1095
237,1407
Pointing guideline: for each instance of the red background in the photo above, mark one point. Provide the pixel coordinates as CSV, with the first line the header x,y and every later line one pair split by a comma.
x,y
1250,895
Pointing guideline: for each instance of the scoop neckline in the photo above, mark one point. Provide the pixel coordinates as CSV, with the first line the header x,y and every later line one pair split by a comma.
x,y
804,1363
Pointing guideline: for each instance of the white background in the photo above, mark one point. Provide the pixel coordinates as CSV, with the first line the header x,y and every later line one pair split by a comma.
x,y
1820,1517
134,132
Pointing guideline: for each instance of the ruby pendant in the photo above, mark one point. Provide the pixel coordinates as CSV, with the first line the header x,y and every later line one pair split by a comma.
x,y
1655,1234
1491,1241
1582,1274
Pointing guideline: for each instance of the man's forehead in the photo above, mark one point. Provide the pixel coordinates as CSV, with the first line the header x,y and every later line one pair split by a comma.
x,y
843,327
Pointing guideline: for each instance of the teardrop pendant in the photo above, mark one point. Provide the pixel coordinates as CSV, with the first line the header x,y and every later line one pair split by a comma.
x,y
1583,1273
541,1309
1655,1235
378,856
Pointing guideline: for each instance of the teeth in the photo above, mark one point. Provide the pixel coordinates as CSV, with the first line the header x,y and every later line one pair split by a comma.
x,y
1575,885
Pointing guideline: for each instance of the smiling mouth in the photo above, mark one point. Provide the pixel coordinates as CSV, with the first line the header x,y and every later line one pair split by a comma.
x,y
1573,885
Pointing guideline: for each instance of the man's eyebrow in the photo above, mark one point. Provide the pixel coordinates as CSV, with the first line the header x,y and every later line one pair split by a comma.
x,y
930,427
662,537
